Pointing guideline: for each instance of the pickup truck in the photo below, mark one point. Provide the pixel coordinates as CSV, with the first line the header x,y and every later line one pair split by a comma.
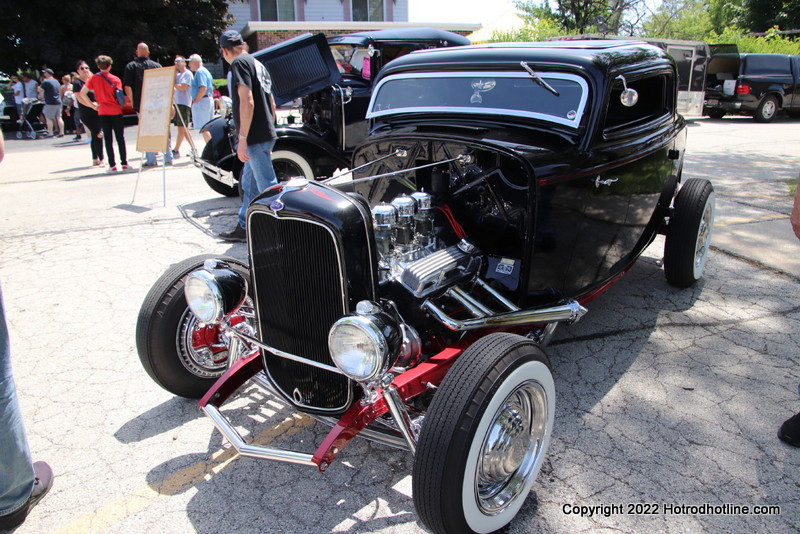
x,y
760,85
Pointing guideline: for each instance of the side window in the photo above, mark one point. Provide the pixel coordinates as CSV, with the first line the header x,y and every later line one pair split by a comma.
x,y
767,65
656,100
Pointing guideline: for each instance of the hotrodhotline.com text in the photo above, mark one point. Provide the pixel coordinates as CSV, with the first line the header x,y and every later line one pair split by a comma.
x,y
607,510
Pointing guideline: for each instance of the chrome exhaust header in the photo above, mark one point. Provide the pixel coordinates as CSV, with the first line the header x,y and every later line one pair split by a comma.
x,y
568,311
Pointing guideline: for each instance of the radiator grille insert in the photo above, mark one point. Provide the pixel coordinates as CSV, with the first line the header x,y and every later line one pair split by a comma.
x,y
297,278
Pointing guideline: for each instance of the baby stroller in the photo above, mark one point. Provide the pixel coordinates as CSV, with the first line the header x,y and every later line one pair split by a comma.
x,y
29,125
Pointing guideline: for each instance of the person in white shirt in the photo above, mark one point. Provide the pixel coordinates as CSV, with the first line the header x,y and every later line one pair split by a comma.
x,y
183,102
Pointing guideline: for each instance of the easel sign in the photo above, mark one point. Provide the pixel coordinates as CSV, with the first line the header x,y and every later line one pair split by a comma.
x,y
155,109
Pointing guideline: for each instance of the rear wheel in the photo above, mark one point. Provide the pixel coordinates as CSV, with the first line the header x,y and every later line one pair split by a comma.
x,y
767,109
715,113
688,242
216,185
290,164
484,437
180,354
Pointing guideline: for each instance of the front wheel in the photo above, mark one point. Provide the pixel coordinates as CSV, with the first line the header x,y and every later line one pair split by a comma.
x,y
688,241
484,437
180,354
766,110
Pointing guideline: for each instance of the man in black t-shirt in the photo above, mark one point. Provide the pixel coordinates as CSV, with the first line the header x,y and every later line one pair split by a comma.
x,y
132,81
254,118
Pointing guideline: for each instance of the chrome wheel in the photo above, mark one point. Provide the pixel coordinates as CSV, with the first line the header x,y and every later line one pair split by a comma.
x,y
688,243
203,349
484,437
511,447
180,354
703,243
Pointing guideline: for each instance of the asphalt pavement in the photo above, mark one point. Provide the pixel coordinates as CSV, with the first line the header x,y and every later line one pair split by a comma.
x,y
667,400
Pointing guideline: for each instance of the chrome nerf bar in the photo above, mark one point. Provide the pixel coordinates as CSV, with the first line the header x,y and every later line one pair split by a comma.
x,y
254,451
212,171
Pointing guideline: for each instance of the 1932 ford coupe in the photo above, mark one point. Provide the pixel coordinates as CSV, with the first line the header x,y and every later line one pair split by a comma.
x,y
502,188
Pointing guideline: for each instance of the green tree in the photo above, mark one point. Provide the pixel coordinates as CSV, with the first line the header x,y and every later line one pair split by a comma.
x,y
760,15
726,14
39,33
574,16
680,19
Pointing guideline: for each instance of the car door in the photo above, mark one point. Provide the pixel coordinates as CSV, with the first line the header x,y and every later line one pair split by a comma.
x,y
637,153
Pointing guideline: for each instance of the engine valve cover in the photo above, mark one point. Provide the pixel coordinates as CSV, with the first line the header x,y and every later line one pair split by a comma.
x,y
438,271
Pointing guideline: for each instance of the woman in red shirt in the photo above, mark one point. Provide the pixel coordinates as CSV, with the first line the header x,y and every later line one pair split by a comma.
x,y
108,110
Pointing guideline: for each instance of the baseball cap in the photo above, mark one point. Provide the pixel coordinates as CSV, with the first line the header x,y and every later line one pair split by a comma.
x,y
195,57
48,71
230,38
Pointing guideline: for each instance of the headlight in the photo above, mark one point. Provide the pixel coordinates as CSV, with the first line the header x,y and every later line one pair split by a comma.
x,y
214,292
204,297
358,347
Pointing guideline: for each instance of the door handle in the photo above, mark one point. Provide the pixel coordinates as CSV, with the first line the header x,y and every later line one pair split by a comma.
x,y
599,181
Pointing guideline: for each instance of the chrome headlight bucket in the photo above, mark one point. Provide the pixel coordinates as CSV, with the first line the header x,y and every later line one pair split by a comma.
x,y
214,292
365,346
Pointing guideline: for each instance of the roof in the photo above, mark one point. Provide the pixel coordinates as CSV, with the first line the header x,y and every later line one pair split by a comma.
x,y
401,34
590,55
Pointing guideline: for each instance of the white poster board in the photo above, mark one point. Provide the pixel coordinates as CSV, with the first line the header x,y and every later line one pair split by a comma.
x,y
155,109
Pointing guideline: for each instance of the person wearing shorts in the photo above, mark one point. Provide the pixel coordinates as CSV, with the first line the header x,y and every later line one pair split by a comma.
x,y
183,102
51,92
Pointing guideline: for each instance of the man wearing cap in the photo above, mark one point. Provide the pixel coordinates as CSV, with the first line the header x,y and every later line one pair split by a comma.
x,y
254,117
182,101
51,91
132,82
202,94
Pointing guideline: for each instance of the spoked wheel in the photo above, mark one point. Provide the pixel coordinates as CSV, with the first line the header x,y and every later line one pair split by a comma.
x,y
688,242
180,354
484,437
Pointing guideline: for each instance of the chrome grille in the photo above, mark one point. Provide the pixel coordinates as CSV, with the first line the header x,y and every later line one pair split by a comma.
x,y
297,277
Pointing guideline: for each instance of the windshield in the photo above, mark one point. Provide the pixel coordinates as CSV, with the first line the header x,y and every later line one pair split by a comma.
x,y
554,97
351,59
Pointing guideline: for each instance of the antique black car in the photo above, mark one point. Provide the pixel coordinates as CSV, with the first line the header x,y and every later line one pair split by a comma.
x,y
334,101
501,189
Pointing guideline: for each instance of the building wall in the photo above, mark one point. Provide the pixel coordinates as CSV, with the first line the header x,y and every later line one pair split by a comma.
x,y
324,10
240,9
315,10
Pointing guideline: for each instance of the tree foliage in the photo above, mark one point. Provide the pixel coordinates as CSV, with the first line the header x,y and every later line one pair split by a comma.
x,y
760,15
586,16
574,16
721,21
42,33
771,43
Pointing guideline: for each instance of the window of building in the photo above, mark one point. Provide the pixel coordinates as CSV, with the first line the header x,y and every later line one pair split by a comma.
x,y
277,9
370,10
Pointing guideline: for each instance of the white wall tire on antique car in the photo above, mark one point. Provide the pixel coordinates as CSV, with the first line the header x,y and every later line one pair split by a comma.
x,y
179,353
688,241
290,164
484,437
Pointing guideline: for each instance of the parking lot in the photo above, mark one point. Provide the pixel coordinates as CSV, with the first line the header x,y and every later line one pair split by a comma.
x,y
668,401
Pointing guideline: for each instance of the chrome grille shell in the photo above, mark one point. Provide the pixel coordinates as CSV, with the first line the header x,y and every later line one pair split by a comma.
x,y
312,256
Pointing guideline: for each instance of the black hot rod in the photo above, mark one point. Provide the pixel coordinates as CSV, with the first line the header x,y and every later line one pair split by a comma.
x,y
501,189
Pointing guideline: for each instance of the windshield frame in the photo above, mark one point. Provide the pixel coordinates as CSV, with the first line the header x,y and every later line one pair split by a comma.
x,y
505,112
